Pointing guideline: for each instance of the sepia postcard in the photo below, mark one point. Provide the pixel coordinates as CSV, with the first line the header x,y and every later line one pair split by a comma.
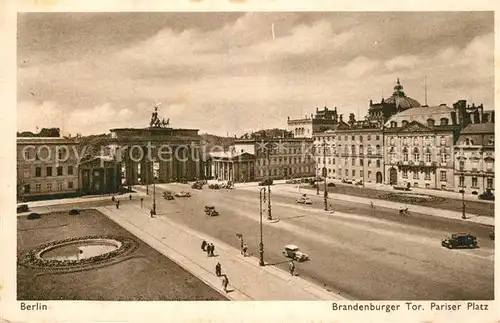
x,y
220,163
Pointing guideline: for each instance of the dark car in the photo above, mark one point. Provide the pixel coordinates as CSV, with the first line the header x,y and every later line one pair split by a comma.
x,y
266,182
210,211
460,240
34,216
21,208
168,196
331,185
487,196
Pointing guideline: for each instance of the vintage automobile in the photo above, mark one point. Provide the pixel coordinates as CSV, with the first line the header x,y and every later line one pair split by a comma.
x,y
266,182
460,240
331,185
293,252
168,195
183,194
304,200
197,185
488,195
210,211
22,208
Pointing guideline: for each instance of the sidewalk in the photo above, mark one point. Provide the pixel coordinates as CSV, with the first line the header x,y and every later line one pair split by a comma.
x,y
80,199
292,190
247,280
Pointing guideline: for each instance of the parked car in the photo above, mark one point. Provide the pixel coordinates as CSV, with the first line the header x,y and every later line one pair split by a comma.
x,y
290,181
214,186
401,188
74,212
168,195
183,194
266,182
304,200
210,211
293,252
33,216
197,185
346,181
488,195
21,208
460,240
331,185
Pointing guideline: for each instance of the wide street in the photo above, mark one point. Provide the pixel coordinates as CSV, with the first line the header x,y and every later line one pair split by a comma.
x,y
360,252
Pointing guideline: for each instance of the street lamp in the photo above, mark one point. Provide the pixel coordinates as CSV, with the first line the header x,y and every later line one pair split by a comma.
x,y
463,203
262,198
269,216
324,175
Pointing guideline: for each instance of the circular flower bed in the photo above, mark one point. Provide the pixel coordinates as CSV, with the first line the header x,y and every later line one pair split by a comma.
x,y
411,198
34,258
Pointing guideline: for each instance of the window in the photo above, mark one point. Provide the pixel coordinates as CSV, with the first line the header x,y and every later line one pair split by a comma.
x,y
345,137
333,161
361,162
394,124
353,150
49,186
377,137
369,137
70,184
428,157
489,165
38,172
416,155
392,155
353,172
377,149
59,171
369,174
352,137
444,157
275,172
443,176
26,155
346,150
443,141
461,181
427,174
361,148
361,138
378,162
60,153
27,188
430,122
319,160
49,171
329,161
415,175
38,187
474,182
369,150
353,162
475,163
405,154
461,165
361,174
405,174
27,172
444,121
59,186
489,183
346,172
404,123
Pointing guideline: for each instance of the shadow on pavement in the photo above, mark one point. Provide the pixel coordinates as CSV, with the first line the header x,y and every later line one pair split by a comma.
x,y
278,263
293,217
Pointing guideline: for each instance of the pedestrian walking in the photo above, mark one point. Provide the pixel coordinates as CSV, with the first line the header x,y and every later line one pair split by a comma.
x,y
203,245
142,200
130,197
218,270
117,205
212,249
152,213
291,267
112,198
208,250
225,283
244,250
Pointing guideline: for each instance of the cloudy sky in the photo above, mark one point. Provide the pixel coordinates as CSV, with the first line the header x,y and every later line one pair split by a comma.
x,y
226,73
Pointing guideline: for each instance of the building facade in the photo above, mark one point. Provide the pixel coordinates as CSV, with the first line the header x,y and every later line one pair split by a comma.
x,y
47,167
475,159
419,147
305,127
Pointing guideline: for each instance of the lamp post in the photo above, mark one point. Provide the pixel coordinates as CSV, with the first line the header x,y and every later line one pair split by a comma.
x,y
317,176
269,216
262,198
325,194
463,203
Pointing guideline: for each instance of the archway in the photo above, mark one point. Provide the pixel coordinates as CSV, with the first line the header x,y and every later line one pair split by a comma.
x,y
379,177
393,176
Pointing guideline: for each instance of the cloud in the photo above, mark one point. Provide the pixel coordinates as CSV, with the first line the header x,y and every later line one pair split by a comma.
x,y
402,62
359,67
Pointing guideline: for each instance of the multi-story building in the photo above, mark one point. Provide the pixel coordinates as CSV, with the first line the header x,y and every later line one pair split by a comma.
x,y
261,157
351,153
46,166
475,159
419,147
305,127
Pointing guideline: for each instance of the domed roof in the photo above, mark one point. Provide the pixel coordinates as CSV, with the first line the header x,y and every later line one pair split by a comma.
x,y
400,99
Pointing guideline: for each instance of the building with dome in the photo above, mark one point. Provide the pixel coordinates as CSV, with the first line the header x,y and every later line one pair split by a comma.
x,y
379,113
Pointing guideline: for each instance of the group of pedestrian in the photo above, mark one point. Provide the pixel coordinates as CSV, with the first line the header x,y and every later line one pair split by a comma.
x,y
209,248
